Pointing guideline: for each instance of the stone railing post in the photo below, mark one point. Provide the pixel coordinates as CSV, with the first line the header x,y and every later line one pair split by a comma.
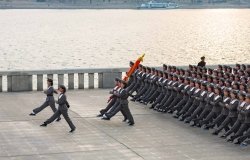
x,y
9,83
39,82
71,80
80,80
91,80
60,79
100,80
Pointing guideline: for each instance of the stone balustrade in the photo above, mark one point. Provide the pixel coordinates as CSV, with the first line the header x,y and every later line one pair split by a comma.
x,y
24,80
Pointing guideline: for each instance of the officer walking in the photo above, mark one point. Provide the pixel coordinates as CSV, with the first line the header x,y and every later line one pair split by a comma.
x,y
50,101
62,109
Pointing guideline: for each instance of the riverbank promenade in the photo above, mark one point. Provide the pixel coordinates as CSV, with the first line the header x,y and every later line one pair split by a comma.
x,y
154,136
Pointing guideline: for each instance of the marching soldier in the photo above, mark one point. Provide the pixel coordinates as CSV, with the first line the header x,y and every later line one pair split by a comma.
x,y
225,110
112,99
232,116
185,97
162,90
179,96
208,107
62,109
216,110
192,102
202,103
123,105
50,101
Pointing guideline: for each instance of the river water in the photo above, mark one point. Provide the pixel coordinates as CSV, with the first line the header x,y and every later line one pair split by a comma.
x,y
58,39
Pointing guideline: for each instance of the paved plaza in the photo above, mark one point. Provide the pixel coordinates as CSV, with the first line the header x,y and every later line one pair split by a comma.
x,y
154,136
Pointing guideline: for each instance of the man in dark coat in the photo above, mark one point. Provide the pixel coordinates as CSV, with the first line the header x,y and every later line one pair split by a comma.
x,y
202,63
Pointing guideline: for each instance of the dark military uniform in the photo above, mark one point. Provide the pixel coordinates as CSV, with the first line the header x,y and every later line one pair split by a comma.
x,y
192,102
224,113
184,100
162,93
123,106
178,98
201,106
216,110
231,118
240,120
62,109
246,124
167,94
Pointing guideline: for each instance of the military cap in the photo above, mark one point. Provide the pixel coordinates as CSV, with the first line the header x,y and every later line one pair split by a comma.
x,y
50,80
191,66
175,75
210,85
226,89
183,70
222,79
204,75
161,72
131,63
228,81
122,81
153,69
237,65
187,79
63,87
181,78
241,70
227,74
242,94
164,65
204,84
198,81
217,87
204,68
192,80
220,66
188,71
193,72
148,68
216,71
117,79
235,92
210,76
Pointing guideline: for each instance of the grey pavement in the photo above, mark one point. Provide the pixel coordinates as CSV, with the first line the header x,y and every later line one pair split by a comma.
x,y
154,136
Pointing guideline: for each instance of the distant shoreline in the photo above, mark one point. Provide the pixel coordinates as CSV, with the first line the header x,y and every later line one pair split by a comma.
x,y
118,6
